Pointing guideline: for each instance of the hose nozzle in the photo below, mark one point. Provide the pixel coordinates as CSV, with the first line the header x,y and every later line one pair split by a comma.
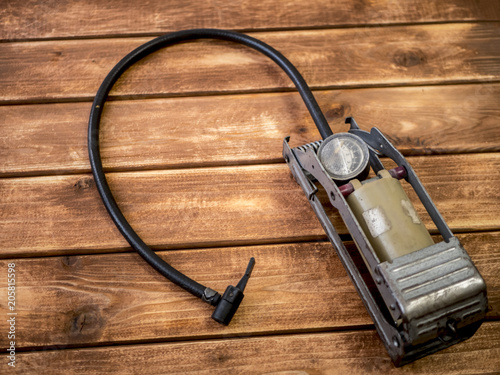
x,y
232,298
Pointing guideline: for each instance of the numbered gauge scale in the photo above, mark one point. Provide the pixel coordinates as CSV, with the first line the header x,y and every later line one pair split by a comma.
x,y
344,156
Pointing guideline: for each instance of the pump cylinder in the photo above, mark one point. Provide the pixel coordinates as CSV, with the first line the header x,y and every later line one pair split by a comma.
x,y
388,217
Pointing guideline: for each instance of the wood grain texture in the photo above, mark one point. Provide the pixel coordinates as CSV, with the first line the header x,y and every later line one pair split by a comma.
x,y
423,54
242,129
215,206
339,353
118,298
192,141
55,19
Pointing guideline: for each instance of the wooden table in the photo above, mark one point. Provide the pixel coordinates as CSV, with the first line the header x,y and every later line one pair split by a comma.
x,y
192,142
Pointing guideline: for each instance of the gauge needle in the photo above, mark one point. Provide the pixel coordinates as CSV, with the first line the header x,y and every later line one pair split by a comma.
x,y
343,157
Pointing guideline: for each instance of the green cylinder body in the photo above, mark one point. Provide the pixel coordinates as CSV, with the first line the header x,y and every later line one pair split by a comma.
x,y
388,217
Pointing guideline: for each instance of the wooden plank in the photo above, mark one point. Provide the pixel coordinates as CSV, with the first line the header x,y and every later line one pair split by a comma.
x,y
54,19
118,298
242,129
358,352
215,206
423,54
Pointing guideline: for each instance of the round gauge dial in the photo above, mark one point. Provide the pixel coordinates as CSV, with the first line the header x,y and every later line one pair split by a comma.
x,y
344,156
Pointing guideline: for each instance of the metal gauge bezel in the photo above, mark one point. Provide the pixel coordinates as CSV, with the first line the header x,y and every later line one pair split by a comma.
x,y
360,171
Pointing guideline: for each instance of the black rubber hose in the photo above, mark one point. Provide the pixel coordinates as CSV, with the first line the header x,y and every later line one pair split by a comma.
x,y
93,136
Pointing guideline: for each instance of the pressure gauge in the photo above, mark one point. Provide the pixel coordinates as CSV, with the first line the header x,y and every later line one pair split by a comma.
x,y
344,156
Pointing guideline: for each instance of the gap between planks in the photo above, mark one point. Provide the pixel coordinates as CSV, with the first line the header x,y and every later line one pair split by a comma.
x,y
277,90
242,129
327,58
357,352
247,31
249,203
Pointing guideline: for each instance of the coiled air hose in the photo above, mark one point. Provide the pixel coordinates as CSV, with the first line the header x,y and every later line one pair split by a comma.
x,y
227,304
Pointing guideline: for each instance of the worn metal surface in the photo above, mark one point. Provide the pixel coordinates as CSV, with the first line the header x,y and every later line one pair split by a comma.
x,y
436,291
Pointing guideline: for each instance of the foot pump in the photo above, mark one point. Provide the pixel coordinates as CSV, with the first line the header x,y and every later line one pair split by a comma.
x,y
424,297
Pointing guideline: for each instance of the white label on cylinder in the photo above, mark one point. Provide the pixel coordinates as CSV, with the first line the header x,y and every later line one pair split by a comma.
x,y
376,221
410,211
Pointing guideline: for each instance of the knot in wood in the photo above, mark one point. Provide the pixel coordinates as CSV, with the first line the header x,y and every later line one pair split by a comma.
x,y
69,261
84,183
337,112
409,58
85,322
